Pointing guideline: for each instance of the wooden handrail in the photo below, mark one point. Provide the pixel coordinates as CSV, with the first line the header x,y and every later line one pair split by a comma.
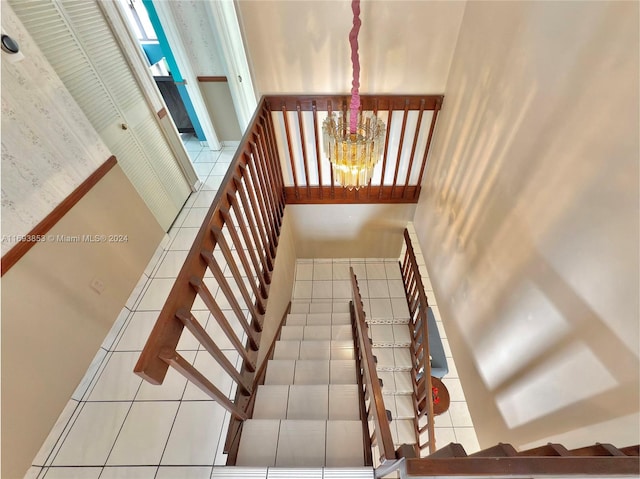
x,y
377,411
418,324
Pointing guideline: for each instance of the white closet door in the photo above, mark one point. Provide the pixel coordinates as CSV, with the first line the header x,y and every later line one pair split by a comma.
x,y
77,41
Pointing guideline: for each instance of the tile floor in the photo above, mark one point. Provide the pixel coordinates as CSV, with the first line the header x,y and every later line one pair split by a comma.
x,y
116,426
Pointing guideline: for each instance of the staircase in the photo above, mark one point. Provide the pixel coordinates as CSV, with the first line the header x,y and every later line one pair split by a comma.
x,y
307,412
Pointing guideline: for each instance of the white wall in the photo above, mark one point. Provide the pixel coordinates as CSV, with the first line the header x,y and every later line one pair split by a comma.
x,y
529,221
349,231
303,47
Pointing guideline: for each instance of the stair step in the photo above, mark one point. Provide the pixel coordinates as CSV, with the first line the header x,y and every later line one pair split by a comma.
x,y
390,335
300,443
318,319
317,349
301,306
396,382
597,450
546,450
453,449
499,450
400,406
318,402
392,359
311,371
337,332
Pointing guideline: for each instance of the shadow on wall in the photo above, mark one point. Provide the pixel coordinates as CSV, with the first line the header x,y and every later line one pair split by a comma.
x,y
529,220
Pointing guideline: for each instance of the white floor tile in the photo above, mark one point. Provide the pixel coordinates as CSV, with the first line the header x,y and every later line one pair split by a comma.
x,y
377,288
195,217
315,350
171,389
304,272
155,295
325,307
183,239
341,271
399,308
342,289
396,288
467,437
460,416
34,472
210,368
144,434
73,473
132,472
117,382
444,436
293,333
287,350
302,289
392,270
322,271
342,332
312,333
137,331
341,349
301,444
455,388
322,290
171,264
116,329
97,365
195,434
99,421
376,271
360,270
380,308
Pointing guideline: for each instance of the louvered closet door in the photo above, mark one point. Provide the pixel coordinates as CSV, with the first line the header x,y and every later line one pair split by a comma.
x,y
77,41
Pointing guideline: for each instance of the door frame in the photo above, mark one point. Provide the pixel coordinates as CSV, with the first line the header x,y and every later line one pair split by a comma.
x,y
116,18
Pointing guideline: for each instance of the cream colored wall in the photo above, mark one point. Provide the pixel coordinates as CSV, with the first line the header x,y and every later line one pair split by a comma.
x,y
303,47
529,221
349,231
217,97
281,289
53,322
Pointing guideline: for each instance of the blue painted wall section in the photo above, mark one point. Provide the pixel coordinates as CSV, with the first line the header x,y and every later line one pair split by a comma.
x,y
173,67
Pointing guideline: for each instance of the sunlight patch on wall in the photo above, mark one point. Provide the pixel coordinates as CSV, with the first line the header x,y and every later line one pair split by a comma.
x,y
528,326
573,375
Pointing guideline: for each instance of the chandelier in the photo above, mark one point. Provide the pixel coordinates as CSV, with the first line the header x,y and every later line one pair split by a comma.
x,y
353,140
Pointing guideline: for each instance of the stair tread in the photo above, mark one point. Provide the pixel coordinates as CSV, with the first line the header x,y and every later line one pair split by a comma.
x,y
330,401
311,371
314,349
301,443
317,332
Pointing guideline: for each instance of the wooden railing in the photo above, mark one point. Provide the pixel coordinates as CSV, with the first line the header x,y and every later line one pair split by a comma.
x,y
421,371
375,412
410,121
228,270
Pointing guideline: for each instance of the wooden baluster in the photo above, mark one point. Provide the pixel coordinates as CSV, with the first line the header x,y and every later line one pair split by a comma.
x,y
400,145
192,324
413,147
260,214
270,177
237,276
292,159
304,149
217,313
386,147
185,368
259,292
426,149
275,158
254,223
262,189
314,107
254,248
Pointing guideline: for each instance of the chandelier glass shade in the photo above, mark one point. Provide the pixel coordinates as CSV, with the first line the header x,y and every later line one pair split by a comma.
x,y
353,140
353,156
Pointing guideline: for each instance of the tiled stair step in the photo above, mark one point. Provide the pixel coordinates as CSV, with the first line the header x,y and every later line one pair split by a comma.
x,y
395,382
387,321
338,332
233,472
318,319
390,335
316,349
392,359
402,431
301,443
311,371
298,306
400,406
320,401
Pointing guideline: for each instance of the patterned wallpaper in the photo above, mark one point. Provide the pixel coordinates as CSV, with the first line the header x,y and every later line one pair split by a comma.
x,y
197,34
48,146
